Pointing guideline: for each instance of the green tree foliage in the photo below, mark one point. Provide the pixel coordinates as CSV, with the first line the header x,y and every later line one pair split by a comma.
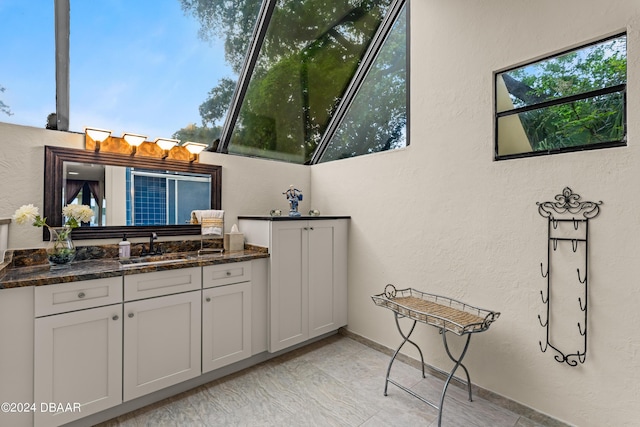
x,y
4,108
594,119
310,54
377,118
231,21
195,133
215,108
308,57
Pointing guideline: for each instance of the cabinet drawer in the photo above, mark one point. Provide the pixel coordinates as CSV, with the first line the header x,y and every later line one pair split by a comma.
x,y
225,274
158,283
63,297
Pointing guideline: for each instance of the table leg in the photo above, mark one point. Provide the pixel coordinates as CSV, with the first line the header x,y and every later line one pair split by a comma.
x,y
406,339
458,362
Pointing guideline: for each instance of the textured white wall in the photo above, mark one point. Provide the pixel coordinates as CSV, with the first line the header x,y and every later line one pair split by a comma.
x,y
443,217
249,186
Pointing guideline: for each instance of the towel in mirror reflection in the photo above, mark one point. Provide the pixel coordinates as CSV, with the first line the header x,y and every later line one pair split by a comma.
x,y
211,221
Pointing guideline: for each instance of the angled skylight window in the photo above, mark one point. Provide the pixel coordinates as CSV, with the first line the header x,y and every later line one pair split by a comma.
x,y
309,54
376,120
298,66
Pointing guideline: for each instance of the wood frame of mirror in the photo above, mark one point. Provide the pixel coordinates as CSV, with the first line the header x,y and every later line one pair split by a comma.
x,y
54,158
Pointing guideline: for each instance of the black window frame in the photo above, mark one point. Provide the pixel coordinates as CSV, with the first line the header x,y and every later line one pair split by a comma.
x,y
622,88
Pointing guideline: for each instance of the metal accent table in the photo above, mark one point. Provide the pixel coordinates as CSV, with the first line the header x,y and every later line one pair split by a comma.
x,y
446,314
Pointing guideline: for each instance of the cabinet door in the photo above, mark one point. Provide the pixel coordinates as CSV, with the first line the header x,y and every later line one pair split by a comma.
x,y
161,342
288,289
226,325
327,276
78,360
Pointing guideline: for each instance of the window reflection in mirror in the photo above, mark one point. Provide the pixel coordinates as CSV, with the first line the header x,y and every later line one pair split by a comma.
x,y
163,198
120,195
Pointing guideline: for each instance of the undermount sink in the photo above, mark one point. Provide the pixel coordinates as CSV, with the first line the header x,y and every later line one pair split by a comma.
x,y
155,260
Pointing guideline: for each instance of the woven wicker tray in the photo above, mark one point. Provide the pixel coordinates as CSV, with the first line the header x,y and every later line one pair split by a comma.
x,y
436,310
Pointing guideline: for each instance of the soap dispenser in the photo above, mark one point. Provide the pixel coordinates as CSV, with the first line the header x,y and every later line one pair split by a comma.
x,y
124,250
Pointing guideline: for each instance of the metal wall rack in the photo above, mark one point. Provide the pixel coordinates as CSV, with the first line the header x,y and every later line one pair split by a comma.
x,y
568,240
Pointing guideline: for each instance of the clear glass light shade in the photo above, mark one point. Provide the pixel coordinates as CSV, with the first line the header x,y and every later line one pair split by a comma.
x,y
166,144
133,139
194,147
98,135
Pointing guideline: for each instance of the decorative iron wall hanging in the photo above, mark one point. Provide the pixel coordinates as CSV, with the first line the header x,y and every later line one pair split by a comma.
x,y
567,294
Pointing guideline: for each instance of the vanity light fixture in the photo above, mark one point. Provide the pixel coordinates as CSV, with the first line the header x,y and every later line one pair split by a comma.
x,y
134,140
166,145
195,148
97,135
101,140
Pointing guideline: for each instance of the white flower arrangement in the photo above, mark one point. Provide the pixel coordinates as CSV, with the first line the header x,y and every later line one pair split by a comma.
x,y
75,215
61,249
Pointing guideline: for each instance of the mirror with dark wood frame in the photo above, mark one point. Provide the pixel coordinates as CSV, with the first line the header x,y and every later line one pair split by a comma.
x,y
57,159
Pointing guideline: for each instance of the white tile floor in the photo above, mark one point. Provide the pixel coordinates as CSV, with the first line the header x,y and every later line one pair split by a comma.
x,y
335,382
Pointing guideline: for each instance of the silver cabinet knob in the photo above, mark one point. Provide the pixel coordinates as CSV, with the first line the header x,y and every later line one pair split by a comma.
x,y
130,315
208,299
115,317
81,295
228,273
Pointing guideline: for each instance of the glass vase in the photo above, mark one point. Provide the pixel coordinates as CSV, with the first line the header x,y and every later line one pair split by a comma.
x,y
60,249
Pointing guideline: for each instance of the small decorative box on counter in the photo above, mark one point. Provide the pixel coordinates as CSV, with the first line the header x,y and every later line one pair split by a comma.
x,y
234,241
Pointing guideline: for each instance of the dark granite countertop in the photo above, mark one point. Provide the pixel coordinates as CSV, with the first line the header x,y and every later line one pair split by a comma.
x,y
285,217
41,274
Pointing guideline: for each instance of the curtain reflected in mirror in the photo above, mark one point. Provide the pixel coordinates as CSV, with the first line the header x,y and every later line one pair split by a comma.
x,y
135,195
84,185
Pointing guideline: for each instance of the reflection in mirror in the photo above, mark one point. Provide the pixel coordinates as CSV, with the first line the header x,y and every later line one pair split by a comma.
x,y
132,195
120,195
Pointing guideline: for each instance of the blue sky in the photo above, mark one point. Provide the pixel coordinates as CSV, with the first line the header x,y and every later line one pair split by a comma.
x,y
136,66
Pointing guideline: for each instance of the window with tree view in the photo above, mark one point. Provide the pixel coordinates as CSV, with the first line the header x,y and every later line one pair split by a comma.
x,y
569,102
310,54
377,118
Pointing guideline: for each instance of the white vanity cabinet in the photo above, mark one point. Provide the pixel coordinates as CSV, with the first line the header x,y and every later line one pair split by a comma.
x,y
161,331
78,349
226,314
307,276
